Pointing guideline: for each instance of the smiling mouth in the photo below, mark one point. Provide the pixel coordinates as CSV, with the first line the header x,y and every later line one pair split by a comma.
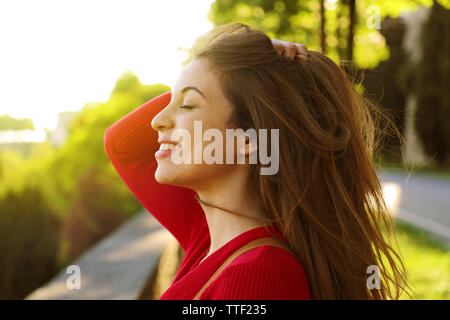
x,y
169,147
165,149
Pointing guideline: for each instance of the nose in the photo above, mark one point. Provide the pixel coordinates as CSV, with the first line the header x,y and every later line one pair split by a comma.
x,y
163,120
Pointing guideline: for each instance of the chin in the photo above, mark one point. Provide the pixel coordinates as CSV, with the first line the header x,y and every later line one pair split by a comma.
x,y
163,176
181,176
167,174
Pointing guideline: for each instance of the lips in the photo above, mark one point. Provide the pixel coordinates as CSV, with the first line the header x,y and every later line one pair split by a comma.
x,y
165,149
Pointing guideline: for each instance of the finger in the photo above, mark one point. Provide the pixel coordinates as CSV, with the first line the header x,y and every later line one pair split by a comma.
x,y
302,52
290,51
301,57
278,45
301,49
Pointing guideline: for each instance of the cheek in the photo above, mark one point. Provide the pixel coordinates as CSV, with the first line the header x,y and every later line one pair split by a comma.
x,y
190,135
192,174
194,128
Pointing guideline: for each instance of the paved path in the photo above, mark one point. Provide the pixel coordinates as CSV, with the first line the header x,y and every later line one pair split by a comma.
x,y
424,200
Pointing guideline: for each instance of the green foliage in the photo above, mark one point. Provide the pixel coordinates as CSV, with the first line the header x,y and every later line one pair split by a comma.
x,y
299,21
9,123
18,169
93,215
29,239
287,20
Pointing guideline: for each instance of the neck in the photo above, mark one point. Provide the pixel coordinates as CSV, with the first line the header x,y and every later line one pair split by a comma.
x,y
235,194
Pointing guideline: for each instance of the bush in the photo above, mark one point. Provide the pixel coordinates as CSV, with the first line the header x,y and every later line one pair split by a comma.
x,y
29,239
99,210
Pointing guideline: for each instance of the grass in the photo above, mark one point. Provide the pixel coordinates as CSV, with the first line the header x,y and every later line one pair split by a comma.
x,y
427,263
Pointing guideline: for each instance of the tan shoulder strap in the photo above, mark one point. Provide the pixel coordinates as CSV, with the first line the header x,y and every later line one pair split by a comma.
x,y
252,244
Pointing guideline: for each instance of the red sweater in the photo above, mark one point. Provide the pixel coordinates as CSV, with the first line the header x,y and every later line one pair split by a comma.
x,y
264,272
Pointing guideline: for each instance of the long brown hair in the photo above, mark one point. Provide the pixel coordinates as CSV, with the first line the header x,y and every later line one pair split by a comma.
x,y
326,197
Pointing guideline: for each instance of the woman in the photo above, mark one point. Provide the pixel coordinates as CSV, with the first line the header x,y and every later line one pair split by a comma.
x,y
310,230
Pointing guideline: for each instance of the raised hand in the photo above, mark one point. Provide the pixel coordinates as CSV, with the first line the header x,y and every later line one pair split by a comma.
x,y
291,50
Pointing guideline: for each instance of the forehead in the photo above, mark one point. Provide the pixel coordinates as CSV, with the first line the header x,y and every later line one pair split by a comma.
x,y
198,73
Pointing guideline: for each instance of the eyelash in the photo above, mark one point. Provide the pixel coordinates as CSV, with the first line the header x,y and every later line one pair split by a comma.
x,y
187,107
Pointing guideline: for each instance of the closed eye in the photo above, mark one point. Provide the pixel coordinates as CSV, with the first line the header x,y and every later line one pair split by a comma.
x,y
187,107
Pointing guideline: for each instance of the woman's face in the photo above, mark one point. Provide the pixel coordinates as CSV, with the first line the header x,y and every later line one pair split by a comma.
x,y
198,88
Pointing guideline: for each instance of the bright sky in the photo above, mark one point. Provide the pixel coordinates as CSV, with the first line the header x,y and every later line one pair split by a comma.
x,y
57,55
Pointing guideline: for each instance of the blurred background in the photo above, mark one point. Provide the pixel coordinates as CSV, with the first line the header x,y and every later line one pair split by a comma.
x,y
68,70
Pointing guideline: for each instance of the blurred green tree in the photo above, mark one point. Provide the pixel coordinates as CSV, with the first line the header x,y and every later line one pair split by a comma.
x,y
430,85
382,83
346,35
29,241
9,123
93,215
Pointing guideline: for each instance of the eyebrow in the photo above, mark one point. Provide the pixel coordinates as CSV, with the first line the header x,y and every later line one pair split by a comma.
x,y
193,88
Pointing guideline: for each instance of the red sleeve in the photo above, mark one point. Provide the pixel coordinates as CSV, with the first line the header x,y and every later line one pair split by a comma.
x,y
130,144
